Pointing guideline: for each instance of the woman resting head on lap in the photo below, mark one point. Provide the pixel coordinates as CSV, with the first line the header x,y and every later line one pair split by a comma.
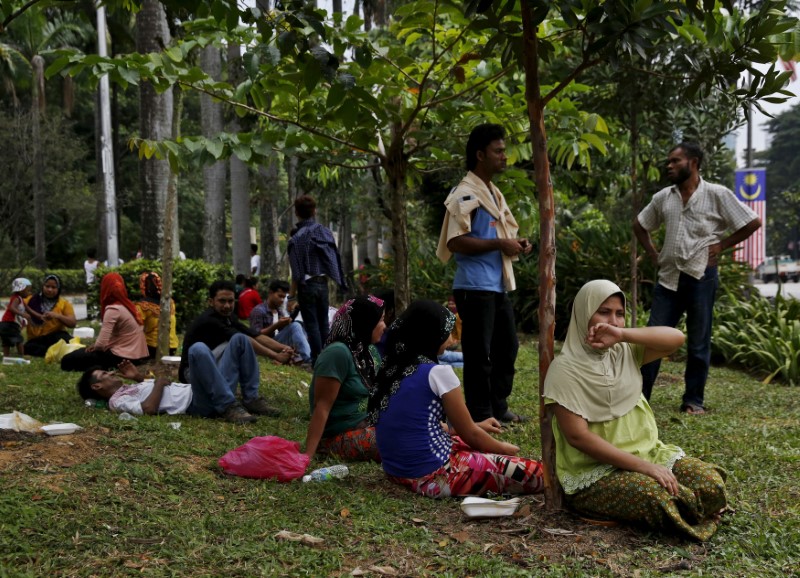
x,y
121,336
344,374
413,394
608,456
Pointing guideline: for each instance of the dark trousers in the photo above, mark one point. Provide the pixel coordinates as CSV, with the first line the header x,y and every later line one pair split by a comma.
x,y
696,299
38,346
312,296
489,342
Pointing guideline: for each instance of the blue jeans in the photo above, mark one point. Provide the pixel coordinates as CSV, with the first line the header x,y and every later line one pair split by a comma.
x,y
294,336
312,296
489,342
452,358
214,382
696,299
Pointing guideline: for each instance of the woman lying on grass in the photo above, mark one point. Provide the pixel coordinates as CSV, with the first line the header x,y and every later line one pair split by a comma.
x,y
343,377
411,398
608,455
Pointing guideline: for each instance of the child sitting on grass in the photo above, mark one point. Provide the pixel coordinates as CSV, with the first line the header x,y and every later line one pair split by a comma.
x,y
15,317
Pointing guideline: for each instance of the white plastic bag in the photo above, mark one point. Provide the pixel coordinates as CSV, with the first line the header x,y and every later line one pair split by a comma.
x,y
19,422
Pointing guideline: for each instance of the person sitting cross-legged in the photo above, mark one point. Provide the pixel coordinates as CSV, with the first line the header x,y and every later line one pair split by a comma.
x,y
271,318
211,395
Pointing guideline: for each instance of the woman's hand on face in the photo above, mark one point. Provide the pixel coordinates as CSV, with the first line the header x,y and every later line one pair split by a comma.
x,y
490,425
664,476
603,336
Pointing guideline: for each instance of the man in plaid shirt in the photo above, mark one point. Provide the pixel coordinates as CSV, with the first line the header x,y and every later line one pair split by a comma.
x,y
701,220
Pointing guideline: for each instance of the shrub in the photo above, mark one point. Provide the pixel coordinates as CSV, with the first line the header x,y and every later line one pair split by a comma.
x,y
190,281
759,335
72,280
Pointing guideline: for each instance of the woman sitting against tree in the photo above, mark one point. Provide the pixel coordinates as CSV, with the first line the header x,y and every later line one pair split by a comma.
x,y
608,456
51,316
412,396
343,376
121,336
149,308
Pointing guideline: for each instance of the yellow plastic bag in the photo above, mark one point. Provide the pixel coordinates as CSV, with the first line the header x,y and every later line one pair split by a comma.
x,y
60,348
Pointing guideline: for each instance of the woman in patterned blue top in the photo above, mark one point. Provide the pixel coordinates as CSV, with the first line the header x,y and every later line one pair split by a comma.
x,y
413,394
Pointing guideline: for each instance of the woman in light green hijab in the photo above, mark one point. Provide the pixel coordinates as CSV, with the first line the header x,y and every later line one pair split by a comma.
x,y
608,456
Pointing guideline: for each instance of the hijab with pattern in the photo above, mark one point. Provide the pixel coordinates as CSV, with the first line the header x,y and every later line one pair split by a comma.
x,y
150,287
414,338
41,303
598,385
113,291
353,325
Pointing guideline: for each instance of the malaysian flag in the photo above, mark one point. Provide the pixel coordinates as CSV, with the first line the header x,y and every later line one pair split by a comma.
x,y
751,189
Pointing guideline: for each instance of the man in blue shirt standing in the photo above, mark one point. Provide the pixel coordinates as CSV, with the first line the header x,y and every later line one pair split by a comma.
x,y
314,259
482,233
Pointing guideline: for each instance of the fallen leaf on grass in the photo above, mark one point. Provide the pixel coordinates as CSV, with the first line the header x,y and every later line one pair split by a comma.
x,y
418,520
559,532
304,384
443,543
460,537
384,570
358,572
345,513
299,393
306,539
523,512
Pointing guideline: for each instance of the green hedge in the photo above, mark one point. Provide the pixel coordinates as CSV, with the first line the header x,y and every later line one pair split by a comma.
x,y
73,281
190,281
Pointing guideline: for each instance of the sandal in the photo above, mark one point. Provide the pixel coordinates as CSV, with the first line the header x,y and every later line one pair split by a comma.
x,y
692,409
512,418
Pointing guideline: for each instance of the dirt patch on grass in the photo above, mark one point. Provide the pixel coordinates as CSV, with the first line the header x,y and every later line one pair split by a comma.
x,y
37,451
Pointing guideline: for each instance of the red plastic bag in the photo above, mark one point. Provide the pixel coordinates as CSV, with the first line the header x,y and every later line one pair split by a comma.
x,y
266,457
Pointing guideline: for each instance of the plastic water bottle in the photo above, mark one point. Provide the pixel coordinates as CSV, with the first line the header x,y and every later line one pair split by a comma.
x,y
16,361
325,474
96,403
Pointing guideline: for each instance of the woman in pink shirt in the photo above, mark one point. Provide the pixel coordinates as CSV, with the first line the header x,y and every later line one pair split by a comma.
x,y
121,335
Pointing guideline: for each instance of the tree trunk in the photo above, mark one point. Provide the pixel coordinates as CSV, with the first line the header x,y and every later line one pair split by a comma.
x,y
214,176
635,203
269,200
240,183
170,246
396,166
37,111
155,123
554,495
292,190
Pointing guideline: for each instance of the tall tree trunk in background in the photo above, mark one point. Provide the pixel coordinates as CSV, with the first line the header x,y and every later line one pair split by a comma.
x,y
155,123
214,176
37,111
292,190
240,182
268,202
636,201
345,244
100,206
170,251
554,495
336,6
396,166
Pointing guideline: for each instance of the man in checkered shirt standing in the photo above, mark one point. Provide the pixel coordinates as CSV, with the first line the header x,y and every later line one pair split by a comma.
x,y
701,220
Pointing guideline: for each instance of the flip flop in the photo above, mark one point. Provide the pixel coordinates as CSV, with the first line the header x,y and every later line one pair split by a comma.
x,y
693,409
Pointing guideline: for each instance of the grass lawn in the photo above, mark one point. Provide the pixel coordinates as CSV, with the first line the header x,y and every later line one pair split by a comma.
x,y
141,498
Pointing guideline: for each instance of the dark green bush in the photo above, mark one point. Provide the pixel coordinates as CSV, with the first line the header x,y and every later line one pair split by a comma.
x,y
190,281
72,280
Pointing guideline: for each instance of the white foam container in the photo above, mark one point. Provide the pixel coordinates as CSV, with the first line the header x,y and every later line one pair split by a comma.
x,y
83,332
485,508
171,359
60,429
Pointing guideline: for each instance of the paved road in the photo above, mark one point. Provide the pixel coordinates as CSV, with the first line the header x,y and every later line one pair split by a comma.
x,y
787,289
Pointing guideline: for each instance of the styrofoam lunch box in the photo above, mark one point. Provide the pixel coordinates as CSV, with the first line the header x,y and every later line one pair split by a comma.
x,y
485,508
60,429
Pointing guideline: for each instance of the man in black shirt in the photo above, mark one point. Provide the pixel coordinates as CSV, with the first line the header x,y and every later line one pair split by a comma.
x,y
217,342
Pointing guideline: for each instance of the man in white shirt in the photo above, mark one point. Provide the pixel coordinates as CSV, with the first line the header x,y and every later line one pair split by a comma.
x,y
255,260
